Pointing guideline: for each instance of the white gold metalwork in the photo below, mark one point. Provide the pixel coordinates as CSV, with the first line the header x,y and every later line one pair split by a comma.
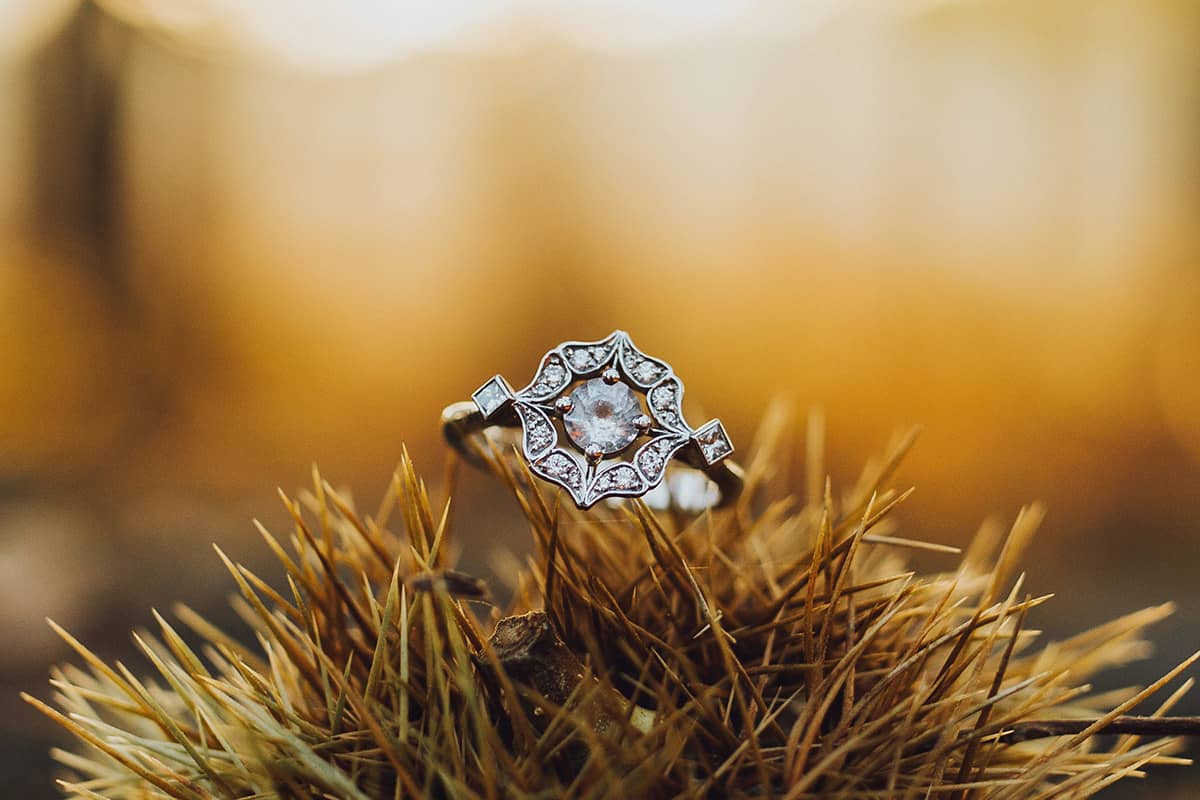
x,y
581,410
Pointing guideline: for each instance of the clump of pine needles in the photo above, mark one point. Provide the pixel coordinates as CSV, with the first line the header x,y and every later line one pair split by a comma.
x,y
777,649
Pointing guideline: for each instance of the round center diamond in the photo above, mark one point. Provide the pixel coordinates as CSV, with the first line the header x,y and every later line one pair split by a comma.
x,y
604,415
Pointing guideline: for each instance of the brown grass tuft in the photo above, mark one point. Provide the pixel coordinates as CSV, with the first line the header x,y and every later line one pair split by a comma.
x,y
781,648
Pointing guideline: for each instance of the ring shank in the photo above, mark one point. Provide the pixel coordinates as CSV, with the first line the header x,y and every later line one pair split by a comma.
x,y
462,421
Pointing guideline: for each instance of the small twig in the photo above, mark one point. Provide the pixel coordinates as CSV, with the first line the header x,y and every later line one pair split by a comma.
x,y
1137,726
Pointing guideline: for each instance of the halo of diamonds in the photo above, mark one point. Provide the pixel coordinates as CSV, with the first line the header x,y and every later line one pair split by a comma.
x,y
590,480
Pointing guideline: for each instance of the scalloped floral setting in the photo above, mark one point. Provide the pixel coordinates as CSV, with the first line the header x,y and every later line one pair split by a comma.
x,y
566,388
653,456
540,435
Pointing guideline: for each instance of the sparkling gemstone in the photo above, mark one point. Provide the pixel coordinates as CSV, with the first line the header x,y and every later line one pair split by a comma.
x,y
492,395
663,396
552,377
647,371
604,415
621,478
653,457
539,432
651,461
642,370
559,466
714,442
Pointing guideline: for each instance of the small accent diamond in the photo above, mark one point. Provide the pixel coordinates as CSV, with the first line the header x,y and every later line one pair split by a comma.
x,y
560,466
551,379
620,478
492,396
647,371
539,432
587,357
651,462
652,458
713,441
642,370
667,417
663,396
553,375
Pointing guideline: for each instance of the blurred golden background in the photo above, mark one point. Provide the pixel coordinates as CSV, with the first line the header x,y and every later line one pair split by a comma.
x,y
241,236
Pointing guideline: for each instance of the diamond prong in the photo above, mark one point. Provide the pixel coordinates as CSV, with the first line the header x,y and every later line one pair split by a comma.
x,y
563,405
611,376
594,453
643,423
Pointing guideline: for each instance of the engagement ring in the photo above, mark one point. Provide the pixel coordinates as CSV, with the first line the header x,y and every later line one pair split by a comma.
x,y
603,420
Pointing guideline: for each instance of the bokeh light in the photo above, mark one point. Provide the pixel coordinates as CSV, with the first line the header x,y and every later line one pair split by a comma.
x,y
24,24
241,236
